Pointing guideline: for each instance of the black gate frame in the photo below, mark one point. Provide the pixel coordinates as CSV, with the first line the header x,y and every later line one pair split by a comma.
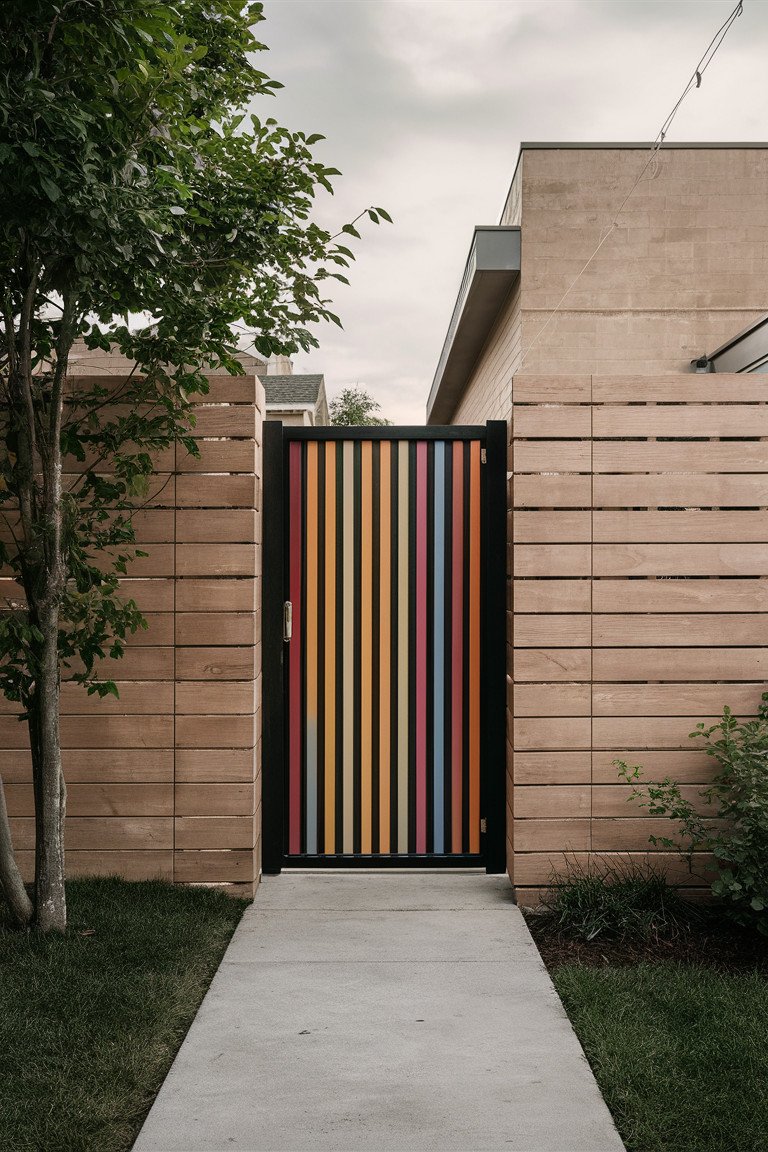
x,y
493,568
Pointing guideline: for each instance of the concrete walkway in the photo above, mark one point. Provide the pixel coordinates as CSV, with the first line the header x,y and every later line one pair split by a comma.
x,y
376,1012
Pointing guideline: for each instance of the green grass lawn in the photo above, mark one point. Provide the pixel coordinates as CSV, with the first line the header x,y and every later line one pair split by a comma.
x,y
680,1052
90,1022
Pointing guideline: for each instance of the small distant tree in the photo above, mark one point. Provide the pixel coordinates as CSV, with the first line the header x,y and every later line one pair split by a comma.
x,y
131,181
355,406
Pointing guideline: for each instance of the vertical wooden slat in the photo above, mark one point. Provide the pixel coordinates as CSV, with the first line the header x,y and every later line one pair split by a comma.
x,y
311,649
421,647
366,643
295,723
348,465
474,646
403,689
438,652
330,647
457,642
385,644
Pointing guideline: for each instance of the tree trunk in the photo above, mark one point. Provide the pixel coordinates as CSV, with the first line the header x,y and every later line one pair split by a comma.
x,y
45,588
36,423
50,792
10,878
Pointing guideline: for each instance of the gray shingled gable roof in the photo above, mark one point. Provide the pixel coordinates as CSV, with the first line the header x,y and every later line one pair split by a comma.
x,y
292,389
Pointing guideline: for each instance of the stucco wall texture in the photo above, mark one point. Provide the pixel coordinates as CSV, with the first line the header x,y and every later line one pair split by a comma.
x,y
685,268
625,553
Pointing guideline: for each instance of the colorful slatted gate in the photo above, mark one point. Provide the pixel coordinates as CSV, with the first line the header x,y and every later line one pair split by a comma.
x,y
384,677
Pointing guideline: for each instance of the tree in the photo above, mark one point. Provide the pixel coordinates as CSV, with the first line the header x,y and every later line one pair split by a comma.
x,y
131,182
354,406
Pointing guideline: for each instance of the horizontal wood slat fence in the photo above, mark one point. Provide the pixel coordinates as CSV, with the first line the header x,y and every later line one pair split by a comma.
x,y
638,605
165,782
638,522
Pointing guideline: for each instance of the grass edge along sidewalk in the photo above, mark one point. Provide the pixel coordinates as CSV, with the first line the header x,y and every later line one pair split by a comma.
x,y
670,1004
91,1022
680,1052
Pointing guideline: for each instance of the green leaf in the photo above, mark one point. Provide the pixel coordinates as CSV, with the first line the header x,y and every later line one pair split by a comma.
x,y
52,191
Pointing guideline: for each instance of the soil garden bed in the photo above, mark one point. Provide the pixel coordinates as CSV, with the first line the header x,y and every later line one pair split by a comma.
x,y
706,943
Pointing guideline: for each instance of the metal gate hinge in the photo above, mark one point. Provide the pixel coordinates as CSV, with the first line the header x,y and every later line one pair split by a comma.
x,y
483,456
287,620
483,825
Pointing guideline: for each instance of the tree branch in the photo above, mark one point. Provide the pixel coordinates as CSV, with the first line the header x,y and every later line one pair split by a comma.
x,y
10,878
22,383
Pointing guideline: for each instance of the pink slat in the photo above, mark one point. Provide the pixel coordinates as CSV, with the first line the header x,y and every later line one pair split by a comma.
x,y
457,623
421,647
294,665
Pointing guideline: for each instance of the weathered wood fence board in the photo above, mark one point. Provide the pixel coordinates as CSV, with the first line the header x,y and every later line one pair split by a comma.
x,y
638,599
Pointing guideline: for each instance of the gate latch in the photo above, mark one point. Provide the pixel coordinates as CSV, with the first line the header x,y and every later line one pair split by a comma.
x,y
287,620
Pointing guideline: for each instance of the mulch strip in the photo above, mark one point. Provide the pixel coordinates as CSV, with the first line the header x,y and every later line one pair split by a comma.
x,y
724,949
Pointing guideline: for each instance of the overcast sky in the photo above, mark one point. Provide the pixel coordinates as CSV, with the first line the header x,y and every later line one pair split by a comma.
x,y
424,104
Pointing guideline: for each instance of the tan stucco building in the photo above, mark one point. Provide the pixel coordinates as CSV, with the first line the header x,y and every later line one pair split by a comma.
x,y
627,348
682,271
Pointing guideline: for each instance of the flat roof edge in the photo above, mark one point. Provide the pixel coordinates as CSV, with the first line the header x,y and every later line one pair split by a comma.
x,y
539,145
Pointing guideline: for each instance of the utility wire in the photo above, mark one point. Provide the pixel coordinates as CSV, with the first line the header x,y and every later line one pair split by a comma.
x,y
694,82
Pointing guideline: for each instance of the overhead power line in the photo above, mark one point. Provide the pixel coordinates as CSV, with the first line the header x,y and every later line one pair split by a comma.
x,y
693,83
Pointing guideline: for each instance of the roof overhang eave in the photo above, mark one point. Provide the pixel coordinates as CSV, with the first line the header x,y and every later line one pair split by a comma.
x,y
290,406
492,269
745,349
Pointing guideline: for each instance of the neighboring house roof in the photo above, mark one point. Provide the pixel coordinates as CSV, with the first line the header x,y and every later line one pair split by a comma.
x,y
287,393
284,390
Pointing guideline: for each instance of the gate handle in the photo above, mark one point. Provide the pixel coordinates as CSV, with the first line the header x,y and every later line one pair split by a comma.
x,y
287,620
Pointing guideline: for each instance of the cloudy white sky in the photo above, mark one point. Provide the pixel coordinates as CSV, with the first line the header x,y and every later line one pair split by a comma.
x,y
424,104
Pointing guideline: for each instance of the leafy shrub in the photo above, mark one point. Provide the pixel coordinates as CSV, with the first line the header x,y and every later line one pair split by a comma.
x,y
625,901
737,799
